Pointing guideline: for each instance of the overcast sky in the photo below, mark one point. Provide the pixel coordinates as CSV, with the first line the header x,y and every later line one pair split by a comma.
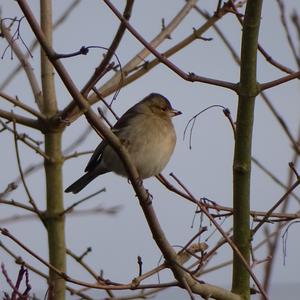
x,y
206,169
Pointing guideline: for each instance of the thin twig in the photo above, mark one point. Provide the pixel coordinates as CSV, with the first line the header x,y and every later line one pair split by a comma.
x,y
9,188
105,103
186,76
228,240
221,208
70,208
114,83
31,200
201,230
281,122
24,138
268,57
14,287
37,92
274,178
110,285
101,70
78,259
35,43
280,201
16,101
77,154
192,121
75,213
281,6
111,51
17,204
19,260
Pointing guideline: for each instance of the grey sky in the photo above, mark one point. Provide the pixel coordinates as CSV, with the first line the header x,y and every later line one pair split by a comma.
x,y
206,169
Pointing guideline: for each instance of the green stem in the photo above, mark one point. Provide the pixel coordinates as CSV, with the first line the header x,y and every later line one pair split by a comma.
x,y
53,166
55,222
242,153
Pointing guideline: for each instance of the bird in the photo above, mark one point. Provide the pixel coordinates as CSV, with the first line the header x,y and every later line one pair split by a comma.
x,y
146,131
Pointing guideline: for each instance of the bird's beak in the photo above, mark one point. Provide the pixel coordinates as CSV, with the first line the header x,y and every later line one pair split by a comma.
x,y
175,112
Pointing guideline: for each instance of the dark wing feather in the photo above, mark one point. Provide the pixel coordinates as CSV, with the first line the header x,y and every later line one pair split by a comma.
x,y
121,123
124,121
96,157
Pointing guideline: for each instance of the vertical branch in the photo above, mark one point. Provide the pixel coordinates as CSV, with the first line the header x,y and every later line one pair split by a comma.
x,y
55,220
50,106
242,153
53,167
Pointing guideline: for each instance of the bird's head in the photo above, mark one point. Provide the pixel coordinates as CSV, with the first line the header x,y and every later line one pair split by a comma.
x,y
159,105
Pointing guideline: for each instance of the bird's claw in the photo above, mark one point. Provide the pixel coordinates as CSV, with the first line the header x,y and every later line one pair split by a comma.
x,y
149,198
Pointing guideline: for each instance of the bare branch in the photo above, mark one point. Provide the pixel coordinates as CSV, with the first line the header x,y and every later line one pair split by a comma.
x,y
35,124
70,208
280,201
17,204
121,78
186,76
30,198
281,6
111,51
228,240
34,44
19,260
284,79
16,101
142,194
24,138
37,92
274,178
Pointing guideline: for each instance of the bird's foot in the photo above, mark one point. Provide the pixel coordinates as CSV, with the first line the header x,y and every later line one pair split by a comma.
x,y
149,198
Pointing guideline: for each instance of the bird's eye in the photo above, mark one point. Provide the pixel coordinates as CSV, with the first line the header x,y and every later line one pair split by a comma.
x,y
164,108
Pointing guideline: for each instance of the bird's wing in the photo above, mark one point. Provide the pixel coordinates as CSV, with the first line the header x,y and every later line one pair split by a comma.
x,y
125,120
96,157
121,123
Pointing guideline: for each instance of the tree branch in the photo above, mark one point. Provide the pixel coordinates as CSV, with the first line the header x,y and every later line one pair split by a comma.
x,y
35,124
186,76
243,143
119,79
143,196
36,90
21,104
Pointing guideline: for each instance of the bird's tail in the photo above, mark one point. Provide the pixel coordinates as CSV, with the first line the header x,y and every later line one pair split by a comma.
x,y
81,183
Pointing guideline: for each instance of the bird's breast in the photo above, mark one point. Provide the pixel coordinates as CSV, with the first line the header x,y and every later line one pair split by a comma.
x,y
150,143
152,151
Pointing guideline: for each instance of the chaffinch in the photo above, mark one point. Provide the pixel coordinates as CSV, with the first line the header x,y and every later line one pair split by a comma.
x,y
146,131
